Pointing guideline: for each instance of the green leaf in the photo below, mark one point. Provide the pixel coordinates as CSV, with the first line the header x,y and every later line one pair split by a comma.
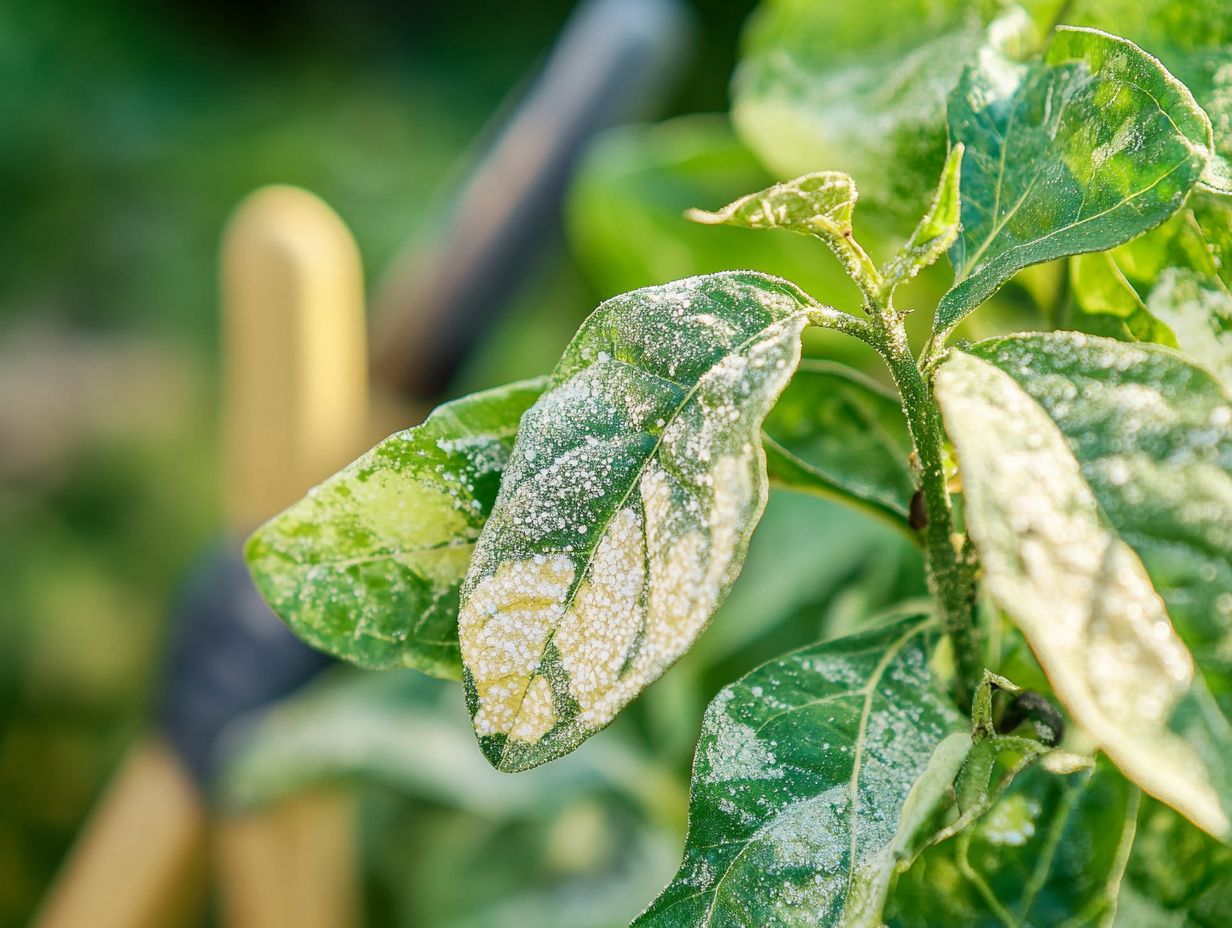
x,y
837,433
1048,850
1152,435
828,85
1177,876
1168,285
1042,435
1193,39
813,775
936,232
626,208
367,566
817,204
626,510
1080,152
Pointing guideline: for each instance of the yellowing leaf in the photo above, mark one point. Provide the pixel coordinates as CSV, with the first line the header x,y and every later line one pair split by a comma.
x,y
1077,590
367,566
626,509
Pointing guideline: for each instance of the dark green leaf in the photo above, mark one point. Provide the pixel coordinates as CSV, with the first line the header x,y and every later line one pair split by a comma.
x,y
368,565
1193,38
626,509
1080,152
1074,451
1048,850
813,775
838,433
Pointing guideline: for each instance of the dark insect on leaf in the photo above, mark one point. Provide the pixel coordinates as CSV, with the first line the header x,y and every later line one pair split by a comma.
x,y
1030,706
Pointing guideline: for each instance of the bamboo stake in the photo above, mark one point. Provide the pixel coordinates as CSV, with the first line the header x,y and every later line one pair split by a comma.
x,y
295,410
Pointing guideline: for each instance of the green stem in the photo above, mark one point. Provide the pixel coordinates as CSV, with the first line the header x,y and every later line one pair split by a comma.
x,y
950,574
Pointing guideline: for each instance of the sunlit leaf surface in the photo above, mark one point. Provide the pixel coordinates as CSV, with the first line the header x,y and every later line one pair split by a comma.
x,y
826,85
626,509
368,565
812,776
818,204
1080,152
1056,552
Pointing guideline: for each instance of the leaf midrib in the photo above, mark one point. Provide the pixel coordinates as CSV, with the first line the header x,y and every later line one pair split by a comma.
x,y
868,690
634,482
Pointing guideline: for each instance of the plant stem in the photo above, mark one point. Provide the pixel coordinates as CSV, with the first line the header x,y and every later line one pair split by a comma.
x,y
950,574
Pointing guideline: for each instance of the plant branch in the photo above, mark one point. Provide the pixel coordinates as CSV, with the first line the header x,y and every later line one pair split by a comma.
x,y
949,568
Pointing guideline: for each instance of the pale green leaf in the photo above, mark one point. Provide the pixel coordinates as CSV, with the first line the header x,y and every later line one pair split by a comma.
x,y
1050,849
367,566
936,232
1177,876
818,204
626,509
829,85
813,776
1064,571
1168,286
1152,434
1080,152
837,433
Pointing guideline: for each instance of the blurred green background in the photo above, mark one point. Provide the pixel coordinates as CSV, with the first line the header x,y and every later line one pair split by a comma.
x,y
130,130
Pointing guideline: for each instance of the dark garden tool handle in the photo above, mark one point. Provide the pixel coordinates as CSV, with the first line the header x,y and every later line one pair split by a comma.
x,y
615,59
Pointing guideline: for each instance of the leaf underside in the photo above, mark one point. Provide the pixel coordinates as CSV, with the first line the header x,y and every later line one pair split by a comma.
x,y
1080,152
626,509
812,774
368,565
836,433
1056,559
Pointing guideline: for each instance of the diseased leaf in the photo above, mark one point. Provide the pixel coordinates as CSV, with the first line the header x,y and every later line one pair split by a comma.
x,y
812,778
1152,434
828,85
1177,876
1048,850
626,509
367,566
837,433
817,204
1193,39
936,232
1056,561
1080,152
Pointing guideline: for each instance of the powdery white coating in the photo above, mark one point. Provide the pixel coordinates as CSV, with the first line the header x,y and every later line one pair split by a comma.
x,y
1077,591
639,468
514,611
811,773
735,753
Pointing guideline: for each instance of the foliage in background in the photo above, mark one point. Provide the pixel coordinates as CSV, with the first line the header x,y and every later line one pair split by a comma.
x,y
1071,494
